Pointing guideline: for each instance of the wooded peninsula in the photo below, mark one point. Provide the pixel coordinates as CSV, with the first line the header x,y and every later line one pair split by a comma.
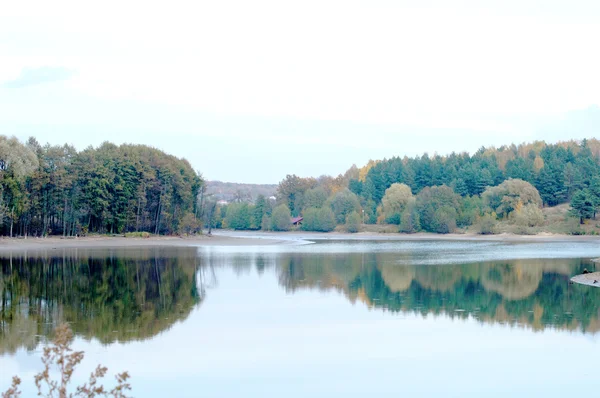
x,y
524,189
136,189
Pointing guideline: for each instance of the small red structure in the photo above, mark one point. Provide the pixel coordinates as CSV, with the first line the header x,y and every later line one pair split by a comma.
x,y
297,220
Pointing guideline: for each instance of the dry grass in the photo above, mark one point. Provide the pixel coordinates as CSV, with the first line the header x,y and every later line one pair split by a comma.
x,y
557,220
380,229
144,235
60,355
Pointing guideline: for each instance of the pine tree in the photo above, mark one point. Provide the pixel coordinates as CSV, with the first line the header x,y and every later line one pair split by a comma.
x,y
583,205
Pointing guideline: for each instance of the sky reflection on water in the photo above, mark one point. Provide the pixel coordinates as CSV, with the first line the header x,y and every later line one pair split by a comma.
x,y
329,322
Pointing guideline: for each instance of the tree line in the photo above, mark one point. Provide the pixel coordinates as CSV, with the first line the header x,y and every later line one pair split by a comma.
x,y
57,190
557,171
440,193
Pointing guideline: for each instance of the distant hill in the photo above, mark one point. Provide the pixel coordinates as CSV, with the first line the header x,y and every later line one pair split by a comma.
x,y
235,192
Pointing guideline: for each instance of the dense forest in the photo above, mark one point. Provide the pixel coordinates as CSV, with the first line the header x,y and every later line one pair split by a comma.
x,y
440,193
48,190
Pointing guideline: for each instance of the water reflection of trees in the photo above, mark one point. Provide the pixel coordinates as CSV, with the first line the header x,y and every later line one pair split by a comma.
x,y
534,293
105,294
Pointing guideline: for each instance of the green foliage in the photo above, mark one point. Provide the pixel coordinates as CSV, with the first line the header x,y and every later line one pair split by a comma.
x,y
16,160
311,220
444,220
528,216
370,209
557,171
487,224
281,219
438,209
409,221
395,200
265,223
239,217
471,208
355,186
246,216
344,203
320,220
510,195
583,205
315,197
109,189
353,222
290,192
189,225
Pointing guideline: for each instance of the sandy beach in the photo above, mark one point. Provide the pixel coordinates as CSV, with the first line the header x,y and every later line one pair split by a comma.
x,y
257,238
7,244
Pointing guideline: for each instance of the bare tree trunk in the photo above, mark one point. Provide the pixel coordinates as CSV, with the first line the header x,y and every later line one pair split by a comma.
x,y
137,216
65,218
158,212
211,213
12,220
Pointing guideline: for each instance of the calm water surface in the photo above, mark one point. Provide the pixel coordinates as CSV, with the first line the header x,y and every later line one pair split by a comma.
x,y
419,318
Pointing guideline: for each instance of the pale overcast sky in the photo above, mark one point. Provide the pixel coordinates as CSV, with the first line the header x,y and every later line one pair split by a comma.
x,y
250,91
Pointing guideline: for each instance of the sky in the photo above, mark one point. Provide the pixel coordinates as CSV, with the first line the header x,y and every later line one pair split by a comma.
x,y
253,91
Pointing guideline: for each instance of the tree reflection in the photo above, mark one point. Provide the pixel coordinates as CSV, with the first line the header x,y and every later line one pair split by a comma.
x,y
532,293
109,295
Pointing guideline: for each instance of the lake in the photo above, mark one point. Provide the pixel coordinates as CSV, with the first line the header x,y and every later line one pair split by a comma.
x,y
333,318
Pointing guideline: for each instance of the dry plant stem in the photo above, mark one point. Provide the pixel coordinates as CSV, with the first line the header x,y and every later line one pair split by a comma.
x,y
13,391
62,355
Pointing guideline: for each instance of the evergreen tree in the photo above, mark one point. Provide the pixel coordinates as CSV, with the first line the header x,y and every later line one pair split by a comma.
x,y
583,205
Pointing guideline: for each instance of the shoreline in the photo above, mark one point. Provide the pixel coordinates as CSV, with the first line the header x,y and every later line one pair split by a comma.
x,y
90,242
421,236
259,238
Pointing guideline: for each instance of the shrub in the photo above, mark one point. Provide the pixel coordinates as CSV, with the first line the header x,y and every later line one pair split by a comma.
x,y
189,225
487,224
281,219
320,220
315,197
529,216
395,200
238,216
265,224
326,219
444,220
573,227
508,196
471,209
353,222
344,203
409,222
438,208
144,235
